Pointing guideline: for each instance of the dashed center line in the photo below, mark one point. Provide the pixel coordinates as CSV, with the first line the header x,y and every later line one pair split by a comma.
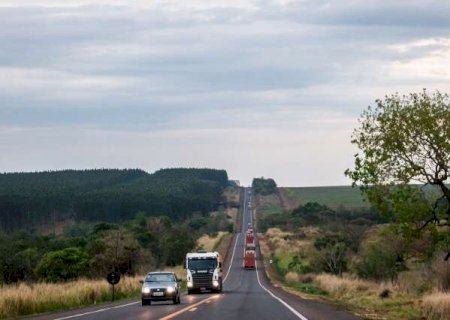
x,y
189,308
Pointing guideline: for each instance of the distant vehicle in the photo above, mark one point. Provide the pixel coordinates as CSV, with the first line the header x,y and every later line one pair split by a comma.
x,y
249,259
204,271
160,286
250,240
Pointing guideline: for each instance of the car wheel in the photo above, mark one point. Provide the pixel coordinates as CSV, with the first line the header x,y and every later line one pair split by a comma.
x,y
175,300
145,302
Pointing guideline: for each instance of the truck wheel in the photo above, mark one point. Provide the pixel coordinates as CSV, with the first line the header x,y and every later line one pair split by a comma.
x,y
190,291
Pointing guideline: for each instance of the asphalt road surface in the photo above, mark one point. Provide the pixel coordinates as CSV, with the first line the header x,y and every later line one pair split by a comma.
x,y
247,294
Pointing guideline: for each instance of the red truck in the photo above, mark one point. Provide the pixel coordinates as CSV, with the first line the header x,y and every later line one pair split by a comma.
x,y
249,259
249,239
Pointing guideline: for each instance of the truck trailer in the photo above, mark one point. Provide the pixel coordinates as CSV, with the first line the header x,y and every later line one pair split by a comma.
x,y
250,241
249,259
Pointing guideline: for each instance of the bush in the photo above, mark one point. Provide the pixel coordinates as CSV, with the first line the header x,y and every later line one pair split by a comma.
x,y
379,262
66,264
264,186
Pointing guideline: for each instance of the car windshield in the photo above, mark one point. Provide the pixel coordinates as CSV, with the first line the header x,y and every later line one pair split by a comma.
x,y
202,264
161,277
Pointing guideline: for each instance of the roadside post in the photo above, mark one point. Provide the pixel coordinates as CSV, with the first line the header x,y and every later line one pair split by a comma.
x,y
113,278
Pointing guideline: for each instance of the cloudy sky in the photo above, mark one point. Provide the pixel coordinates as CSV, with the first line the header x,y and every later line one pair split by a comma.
x,y
267,88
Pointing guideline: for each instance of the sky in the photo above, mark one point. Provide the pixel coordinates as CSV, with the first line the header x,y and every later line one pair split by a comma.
x,y
269,88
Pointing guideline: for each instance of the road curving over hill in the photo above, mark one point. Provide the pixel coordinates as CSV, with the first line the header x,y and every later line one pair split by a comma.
x,y
248,294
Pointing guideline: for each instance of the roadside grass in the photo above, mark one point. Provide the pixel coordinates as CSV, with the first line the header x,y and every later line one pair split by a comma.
x,y
332,197
233,215
436,306
362,297
269,204
209,242
25,299
309,288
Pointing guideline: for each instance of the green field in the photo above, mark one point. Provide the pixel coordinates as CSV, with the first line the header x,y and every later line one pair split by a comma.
x,y
332,197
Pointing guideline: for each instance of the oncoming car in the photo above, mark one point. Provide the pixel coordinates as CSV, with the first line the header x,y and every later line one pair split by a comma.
x,y
160,286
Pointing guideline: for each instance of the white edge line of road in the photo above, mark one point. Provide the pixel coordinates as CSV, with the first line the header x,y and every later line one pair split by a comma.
x,y
298,314
97,311
232,258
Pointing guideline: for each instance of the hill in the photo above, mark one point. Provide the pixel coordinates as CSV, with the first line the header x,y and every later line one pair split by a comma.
x,y
333,196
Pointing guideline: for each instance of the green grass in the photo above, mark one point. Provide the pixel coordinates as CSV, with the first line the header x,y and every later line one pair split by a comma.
x,y
269,204
310,288
392,308
332,197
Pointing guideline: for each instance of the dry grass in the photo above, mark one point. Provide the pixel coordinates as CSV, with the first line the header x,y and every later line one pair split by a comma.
x,y
342,288
233,214
364,298
277,233
292,278
208,243
179,271
263,246
436,306
23,299
280,242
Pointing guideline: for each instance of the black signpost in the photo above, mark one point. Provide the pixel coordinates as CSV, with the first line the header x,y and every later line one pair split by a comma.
x,y
113,278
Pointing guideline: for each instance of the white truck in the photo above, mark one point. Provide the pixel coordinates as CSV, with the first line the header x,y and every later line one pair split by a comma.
x,y
204,271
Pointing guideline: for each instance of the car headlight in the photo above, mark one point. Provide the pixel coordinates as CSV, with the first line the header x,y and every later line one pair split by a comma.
x,y
146,290
215,283
170,289
190,284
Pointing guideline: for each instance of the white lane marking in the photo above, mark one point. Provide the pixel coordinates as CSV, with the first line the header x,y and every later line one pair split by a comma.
x,y
97,311
232,258
189,308
235,244
298,314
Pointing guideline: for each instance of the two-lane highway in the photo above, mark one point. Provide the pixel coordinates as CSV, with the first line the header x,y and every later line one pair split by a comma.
x,y
247,295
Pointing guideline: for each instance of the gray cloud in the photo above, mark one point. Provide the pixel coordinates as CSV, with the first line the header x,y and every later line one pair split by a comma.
x,y
260,68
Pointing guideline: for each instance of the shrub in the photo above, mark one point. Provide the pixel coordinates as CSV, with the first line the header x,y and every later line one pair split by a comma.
x,y
66,264
379,262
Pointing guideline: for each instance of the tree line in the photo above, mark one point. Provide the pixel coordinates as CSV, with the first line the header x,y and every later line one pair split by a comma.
x,y
29,200
92,250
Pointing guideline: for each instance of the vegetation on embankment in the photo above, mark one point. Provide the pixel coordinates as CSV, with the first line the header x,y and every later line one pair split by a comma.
x,y
355,258
37,269
22,298
93,248
368,285
25,299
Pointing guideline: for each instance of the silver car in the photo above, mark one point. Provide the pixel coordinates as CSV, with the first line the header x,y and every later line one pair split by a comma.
x,y
160,286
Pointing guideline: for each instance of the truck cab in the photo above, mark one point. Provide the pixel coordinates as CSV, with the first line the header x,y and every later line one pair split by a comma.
x,y
204,271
